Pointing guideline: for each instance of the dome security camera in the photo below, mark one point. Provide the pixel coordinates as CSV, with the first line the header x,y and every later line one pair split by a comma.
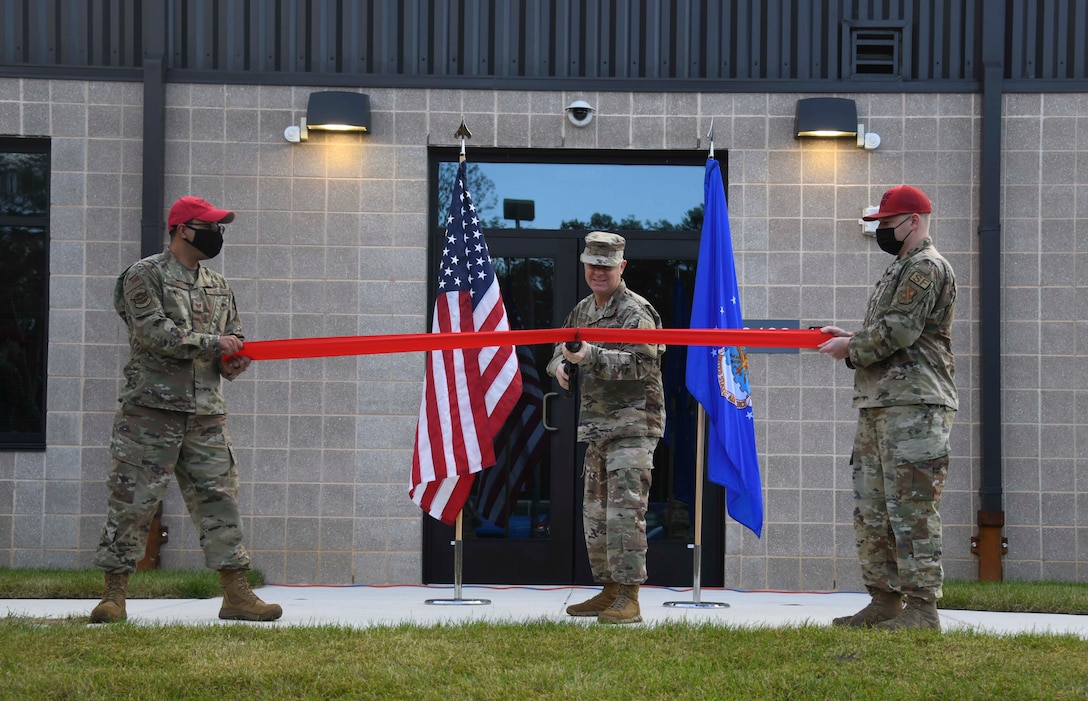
x,y
580,113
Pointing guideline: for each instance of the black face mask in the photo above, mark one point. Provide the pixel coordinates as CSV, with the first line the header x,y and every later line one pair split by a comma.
x,y
885,238
207,241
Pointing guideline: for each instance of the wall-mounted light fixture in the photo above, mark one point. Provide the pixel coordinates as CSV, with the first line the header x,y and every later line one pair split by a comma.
x,y
832,118
332,111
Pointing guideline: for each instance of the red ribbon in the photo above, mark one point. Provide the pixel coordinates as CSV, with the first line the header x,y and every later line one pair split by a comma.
x,y
291,348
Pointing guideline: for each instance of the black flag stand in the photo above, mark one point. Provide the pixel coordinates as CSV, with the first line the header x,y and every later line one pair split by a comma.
x,y
697,546
458,544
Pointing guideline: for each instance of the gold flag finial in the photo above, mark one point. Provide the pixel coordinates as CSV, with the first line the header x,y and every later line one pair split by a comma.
x,y
462,133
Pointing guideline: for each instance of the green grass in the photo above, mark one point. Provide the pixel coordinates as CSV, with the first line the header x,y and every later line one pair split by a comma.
x,y
1026,597
536,660
88,584
64,659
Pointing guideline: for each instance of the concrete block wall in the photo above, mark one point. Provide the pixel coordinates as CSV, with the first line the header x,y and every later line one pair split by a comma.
x,y
1045,342
331,239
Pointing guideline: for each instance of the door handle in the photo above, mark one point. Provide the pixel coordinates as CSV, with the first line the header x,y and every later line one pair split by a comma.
x,y
544,417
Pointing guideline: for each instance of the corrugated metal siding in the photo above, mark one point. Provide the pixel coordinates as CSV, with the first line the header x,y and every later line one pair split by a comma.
x,y
1048,39
653,39
732,40
71,33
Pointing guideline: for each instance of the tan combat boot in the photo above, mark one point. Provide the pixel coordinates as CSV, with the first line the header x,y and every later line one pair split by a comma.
x,y
625,608
112,606
885,606
594,606
918,613
239,601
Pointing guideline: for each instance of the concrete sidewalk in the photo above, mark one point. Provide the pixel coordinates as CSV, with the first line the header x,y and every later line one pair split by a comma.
x,y
363,606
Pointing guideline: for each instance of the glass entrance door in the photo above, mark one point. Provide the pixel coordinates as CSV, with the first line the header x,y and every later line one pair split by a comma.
x,y
517,526
523,522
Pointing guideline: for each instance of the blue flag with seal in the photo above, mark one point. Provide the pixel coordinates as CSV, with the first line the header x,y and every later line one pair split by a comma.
x,y
718,377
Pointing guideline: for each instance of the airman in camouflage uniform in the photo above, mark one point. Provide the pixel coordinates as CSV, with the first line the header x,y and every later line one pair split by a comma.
x,y
905,391
622,417
182,320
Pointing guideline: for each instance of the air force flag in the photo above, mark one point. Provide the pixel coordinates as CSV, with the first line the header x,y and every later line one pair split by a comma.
x,y
718,377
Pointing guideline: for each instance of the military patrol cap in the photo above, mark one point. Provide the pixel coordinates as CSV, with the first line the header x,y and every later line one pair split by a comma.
x,y
902,199
603,248
188,208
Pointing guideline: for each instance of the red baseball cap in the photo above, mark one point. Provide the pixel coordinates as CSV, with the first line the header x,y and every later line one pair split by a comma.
x,y
189,208
902,199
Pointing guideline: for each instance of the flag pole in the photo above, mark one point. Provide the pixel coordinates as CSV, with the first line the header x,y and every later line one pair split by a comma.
x,y
458,558
458,542
697,546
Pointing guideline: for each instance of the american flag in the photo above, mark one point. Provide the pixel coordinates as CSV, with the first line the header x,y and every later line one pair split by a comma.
x,y
467,393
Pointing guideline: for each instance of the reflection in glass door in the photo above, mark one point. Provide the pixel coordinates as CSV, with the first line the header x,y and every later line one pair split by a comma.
x,y
513,499
667,284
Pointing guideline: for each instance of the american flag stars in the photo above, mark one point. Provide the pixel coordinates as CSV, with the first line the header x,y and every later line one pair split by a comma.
x,y
466,263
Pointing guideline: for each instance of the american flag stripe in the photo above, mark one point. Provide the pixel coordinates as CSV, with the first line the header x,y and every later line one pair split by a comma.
x,y
500,374
468,392
445,440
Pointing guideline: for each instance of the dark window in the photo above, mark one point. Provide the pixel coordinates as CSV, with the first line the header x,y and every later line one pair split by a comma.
x,y
24,284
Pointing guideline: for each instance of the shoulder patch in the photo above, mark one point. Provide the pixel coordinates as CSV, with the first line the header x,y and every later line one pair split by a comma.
x,y
140,298
906,295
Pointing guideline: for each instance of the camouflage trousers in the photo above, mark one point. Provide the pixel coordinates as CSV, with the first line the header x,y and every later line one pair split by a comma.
x,y
148,447
617,490
900,465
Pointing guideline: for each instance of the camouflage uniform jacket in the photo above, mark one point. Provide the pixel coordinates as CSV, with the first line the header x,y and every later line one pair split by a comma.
x,y
620,384
903,353
174,326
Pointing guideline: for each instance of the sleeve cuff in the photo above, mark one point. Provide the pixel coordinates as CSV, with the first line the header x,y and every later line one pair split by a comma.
x,y
591,355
